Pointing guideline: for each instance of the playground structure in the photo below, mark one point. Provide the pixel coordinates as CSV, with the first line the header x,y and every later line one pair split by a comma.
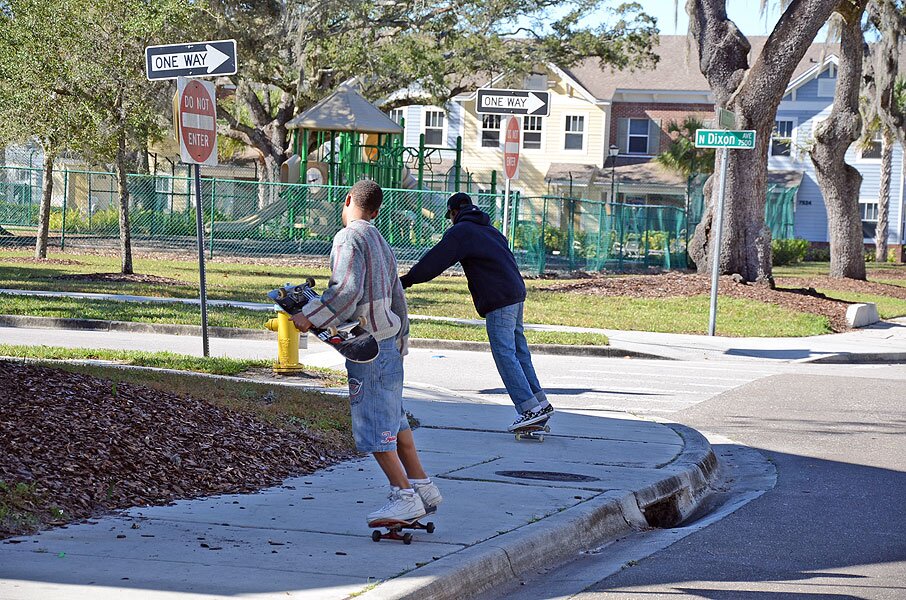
x,y
345,138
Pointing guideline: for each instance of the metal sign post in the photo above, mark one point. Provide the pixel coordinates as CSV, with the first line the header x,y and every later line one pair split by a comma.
x,y
723,140
197,127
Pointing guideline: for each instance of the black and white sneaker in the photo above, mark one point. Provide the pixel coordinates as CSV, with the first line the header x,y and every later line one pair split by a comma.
x,y
531,417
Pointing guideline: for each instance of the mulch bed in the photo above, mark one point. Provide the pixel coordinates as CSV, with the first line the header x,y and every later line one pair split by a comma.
x,y
677,284
121,278
90,446
39,261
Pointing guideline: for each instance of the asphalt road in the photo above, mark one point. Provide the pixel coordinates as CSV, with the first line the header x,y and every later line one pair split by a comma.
x,y
833,527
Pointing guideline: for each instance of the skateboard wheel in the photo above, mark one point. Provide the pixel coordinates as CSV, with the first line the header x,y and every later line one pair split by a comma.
x,y
407,539
430,527
376,536
362,320
333,333
310,282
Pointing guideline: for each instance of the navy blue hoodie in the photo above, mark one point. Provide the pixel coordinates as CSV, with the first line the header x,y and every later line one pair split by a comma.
x,y
490,267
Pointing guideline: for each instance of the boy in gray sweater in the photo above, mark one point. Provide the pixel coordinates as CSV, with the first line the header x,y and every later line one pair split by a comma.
x,y
364,282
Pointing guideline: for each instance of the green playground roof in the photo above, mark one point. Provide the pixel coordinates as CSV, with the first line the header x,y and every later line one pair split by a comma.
x,y
345,110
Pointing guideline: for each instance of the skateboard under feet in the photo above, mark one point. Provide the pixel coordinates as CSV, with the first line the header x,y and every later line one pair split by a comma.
x,y
535,431
394,527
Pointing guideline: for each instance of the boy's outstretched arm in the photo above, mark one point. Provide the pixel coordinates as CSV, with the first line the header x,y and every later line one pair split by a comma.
x,y
441,257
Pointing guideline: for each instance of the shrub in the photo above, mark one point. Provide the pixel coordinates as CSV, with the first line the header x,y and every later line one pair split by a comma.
x,y
816,254
788,252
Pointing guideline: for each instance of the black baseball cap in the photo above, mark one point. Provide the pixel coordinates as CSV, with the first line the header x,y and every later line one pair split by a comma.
x,y
457,201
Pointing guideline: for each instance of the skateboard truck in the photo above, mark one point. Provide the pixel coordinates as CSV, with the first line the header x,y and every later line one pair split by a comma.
x,y
394,527
532,432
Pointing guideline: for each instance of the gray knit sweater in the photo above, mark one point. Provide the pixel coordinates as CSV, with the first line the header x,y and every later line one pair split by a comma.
x,y
363,282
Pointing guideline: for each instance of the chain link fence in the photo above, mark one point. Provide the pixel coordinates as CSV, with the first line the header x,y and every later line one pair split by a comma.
x,y
245,218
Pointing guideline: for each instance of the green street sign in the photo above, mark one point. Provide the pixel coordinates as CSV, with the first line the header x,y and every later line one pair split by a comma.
x,y
725,119
719,138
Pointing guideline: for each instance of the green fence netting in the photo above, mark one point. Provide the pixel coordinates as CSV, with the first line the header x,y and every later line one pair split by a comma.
x,y
779,208
251,218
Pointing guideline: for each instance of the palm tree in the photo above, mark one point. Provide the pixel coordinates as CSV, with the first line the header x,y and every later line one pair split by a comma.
x,y
682,156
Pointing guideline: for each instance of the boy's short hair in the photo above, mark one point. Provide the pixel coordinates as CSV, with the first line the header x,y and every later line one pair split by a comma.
x,y
367,195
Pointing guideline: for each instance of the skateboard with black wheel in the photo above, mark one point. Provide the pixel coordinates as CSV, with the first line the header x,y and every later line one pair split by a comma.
x,y
394,526
535,431
349,339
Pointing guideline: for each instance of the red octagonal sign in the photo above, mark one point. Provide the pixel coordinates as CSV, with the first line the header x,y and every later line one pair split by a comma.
x,y
197,122
511,148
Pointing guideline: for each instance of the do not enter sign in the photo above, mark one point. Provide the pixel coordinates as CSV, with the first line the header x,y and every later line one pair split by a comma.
x,y
511,149
197,122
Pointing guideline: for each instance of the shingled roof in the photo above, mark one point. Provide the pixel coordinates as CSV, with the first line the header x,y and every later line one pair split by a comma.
x,y
677,69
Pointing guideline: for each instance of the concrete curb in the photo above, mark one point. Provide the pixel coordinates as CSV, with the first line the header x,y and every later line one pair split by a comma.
x,y
563,535
858,358
254,334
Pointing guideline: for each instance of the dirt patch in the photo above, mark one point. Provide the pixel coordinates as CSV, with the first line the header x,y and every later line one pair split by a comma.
x,y
86,446
39,261
674,284
849,285
121,278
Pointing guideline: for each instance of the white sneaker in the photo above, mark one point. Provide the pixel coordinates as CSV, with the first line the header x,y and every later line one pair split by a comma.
x,y
429,494
403,505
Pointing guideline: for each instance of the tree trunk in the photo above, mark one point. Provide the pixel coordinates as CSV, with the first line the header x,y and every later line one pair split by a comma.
x,y
754,94
44,211
125,232
839,181
884,196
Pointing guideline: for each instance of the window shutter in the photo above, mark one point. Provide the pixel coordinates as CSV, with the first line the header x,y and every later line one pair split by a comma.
x,y
622,132
654,136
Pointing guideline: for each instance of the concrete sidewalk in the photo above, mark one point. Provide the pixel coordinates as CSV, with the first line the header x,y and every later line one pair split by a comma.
x,y
510,508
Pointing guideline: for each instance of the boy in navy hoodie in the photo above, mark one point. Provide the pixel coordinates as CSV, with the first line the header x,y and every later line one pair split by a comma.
x,y
498,292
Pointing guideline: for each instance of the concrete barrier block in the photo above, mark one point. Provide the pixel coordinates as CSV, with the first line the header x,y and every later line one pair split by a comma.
x,y
862,315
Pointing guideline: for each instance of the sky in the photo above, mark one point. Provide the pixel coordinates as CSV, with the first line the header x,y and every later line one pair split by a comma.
x,y
745,13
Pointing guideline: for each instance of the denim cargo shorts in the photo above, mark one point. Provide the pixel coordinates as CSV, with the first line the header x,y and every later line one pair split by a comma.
x,y
376,399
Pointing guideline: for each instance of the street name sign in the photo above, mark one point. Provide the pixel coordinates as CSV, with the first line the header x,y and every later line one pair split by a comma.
x,y
197,121
719,138
206,59
511,149
726,119
513,102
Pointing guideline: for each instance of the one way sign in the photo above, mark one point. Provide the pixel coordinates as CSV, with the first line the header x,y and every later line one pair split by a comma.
x,y
513,102
199,59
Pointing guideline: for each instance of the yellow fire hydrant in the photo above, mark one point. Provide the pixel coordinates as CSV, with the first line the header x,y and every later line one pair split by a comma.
x,y
287,343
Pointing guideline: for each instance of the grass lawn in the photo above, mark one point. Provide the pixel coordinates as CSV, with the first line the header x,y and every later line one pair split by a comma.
x,y
888,308
445,296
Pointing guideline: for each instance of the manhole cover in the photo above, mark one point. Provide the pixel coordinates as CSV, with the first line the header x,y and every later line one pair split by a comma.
x,y
546,476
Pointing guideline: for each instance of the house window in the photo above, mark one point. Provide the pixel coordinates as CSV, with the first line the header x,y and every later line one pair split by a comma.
x,y
531,133
871,149
637,141
490,131
782,137
575,133
434,127
869,218
396,115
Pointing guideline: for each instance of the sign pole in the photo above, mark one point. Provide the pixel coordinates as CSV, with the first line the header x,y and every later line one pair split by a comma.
x,y
715,260
506,208
199,231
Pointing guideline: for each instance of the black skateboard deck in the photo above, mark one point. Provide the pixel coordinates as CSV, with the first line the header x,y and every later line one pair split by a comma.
x,y
349,339
535,431
394,527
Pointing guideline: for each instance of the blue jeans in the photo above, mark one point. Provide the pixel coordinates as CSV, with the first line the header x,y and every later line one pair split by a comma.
x,y
376,399
512,357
